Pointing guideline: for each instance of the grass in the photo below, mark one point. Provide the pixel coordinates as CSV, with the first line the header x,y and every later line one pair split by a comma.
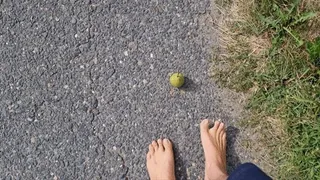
x,y
271,50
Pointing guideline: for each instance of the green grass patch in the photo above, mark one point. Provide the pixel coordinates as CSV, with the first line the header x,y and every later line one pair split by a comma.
x,y
284,80
289,90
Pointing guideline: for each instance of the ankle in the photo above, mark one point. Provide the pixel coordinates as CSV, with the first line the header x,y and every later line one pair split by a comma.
x,y
213,172
221,176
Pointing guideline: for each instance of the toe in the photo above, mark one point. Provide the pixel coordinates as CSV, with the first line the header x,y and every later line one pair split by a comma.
x,y
204,125
224,140
160,144
155,145
220,132
221,128
216,125
215,128
151,149
167,144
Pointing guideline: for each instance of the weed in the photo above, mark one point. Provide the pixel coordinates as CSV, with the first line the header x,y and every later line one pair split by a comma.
x,y
283,21
313,49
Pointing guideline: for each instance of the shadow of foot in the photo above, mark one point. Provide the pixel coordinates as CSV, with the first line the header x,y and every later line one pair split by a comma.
x,y
232,158
180,168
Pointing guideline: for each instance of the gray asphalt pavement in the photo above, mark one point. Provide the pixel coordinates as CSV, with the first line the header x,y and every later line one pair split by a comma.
x,y
84,86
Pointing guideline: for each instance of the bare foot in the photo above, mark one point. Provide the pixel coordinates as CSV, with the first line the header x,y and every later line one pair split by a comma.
x,y
160,161
214,146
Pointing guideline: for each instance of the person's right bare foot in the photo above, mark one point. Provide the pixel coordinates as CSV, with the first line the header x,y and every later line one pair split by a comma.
x,y
214,146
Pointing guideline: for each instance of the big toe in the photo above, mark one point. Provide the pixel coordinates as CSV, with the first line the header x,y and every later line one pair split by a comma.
x,y
204,125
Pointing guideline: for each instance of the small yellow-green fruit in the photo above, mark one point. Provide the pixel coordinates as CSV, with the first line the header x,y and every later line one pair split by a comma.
x,y
177,80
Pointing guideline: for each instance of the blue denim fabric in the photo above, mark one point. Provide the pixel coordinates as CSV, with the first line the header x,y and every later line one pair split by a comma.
x,y
248,171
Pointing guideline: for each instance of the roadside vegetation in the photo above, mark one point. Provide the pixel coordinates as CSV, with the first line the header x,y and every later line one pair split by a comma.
x,y
271,50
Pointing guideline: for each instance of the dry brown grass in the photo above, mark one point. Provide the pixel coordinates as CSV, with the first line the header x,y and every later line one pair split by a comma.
x,y
230,35
311,4
314,24
233,39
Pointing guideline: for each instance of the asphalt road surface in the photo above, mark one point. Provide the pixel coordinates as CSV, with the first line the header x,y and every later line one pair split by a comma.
x,y
84,86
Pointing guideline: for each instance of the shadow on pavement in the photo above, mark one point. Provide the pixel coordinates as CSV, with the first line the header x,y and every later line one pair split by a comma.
x,y
189,85
232,158
180,168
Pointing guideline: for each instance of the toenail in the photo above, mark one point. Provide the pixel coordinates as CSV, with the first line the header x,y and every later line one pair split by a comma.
x,y
204,123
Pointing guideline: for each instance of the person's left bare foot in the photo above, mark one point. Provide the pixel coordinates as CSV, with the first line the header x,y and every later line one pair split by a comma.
x,y
160,161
